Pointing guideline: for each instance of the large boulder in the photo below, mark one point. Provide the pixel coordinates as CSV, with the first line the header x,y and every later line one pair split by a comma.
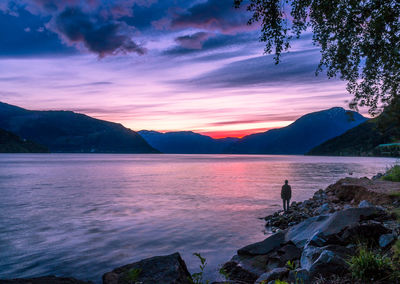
x,y
274,274
238,274
261,248
44,280
328,226
169,269
310,254
327,264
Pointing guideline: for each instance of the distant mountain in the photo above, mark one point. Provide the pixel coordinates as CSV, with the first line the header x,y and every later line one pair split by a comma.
x,y
66,131
363,139
186,142
11,143
302,135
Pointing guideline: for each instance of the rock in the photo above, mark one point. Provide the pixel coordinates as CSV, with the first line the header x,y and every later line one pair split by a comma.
x,y
310,254
368,230
281,256
328,263
264,247
160,269
377,176
274,274
347,206
254,264
44,280
237,273
299,276
364,204
318,240
386,240
329,226
324,209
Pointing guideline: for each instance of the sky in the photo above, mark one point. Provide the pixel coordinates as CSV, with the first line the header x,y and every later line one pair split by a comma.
x,y
165,65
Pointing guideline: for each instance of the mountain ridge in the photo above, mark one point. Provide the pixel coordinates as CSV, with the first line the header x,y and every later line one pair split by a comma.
x,y
70,132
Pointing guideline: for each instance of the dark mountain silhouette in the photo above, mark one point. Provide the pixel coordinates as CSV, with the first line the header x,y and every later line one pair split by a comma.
x,y
11,143
362,140
302,135
66,131
186,142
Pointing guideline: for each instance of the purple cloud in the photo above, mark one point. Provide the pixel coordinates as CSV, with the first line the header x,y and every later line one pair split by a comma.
x,y
194,41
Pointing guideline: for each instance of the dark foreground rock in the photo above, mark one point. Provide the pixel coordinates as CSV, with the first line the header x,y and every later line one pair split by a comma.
x,y
45,280
170,269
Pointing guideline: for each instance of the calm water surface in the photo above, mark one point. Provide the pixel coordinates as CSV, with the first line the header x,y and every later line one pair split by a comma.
x,y
83,215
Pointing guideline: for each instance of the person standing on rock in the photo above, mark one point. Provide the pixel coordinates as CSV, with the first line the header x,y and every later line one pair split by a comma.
x,y
286,195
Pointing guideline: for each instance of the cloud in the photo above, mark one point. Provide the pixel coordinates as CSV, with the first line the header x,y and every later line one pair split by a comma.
x,y
296,68
213,15
194,41
99,36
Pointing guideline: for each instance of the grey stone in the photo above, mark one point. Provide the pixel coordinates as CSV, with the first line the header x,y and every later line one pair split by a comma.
x,y
309,256
44,280
160,269
275,274
386,240
272,242
364,204
329,226
329,263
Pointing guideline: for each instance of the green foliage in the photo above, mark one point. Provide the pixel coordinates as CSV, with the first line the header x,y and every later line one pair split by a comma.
x,y
224,273
396,250
197,278
370,266
291,265
358,41
393,174
132,276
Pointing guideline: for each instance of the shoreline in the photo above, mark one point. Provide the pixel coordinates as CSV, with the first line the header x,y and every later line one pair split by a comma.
x,y
268,259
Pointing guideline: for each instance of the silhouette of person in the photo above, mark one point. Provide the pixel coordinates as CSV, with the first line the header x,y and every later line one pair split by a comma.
x,y
286,195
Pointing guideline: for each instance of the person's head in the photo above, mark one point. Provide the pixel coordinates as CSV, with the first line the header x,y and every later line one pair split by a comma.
x,y
286,181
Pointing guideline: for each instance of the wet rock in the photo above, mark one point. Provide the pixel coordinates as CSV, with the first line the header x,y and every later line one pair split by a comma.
x,y
44,280
281,256
310,254
299,276
366,231
254,264
275,274
364,204
386,240
160,269
329,263
237,273
264,247
329,226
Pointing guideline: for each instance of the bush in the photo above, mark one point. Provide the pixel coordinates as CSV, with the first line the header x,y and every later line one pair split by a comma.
x,y
370,266
392,174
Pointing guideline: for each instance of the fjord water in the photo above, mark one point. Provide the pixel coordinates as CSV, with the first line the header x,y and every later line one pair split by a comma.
x,y
82,215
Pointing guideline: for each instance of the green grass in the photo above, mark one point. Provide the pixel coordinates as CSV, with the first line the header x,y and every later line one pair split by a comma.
x,y
396,250
392,174
371,266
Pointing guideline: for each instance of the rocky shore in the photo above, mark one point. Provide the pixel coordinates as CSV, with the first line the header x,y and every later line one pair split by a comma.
x,y
312,243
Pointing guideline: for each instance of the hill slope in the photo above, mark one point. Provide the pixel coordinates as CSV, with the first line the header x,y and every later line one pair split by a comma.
x,y
11,143
66,131
361,140
302,135
186,142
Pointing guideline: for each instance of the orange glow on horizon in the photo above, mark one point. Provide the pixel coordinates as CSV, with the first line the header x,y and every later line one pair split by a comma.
x,y
233,133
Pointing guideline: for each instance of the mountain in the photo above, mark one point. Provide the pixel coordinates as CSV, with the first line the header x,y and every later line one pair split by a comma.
x,y
11,143
70,132
186,142
302,135
363,139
